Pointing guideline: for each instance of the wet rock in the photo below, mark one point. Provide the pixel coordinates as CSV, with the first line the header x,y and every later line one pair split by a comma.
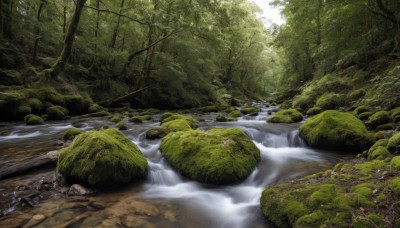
x,y
96,206
136,221
170,216
79,190
35,220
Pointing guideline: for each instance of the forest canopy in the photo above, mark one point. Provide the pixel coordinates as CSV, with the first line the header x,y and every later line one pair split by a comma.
x,y
184,53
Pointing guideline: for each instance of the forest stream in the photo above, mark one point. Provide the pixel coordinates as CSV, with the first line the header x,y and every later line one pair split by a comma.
x,y
165,198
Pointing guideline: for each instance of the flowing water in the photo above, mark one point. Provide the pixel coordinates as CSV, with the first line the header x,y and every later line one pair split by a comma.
x,y
165,199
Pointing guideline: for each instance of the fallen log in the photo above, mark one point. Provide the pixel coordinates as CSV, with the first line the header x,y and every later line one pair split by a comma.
x,y
42,160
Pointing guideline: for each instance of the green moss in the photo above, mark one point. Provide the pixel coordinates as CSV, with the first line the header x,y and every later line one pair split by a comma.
x,y
356,94
336,130
210,108
56,113
221,118
33,120
122,125
71,133
376,219
379,153
250,110
378,119
102,158
365,115
235,114
35,104
363,194
76,104
394,185
394,143
381,142
47,95
105,126
136,119
100,114
370,167
314,111
24,110
165,116
156,132
330,101
9,104
395,163
178,122
116,119
360,109
219,156
286,116
382,135
395,112
385,127
314,219
93,108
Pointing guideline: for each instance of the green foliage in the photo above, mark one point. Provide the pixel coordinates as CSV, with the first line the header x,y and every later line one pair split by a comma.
x,y
102,159
219,156
56,113
35,104
395,164
379,153
336,130
286,116
71,133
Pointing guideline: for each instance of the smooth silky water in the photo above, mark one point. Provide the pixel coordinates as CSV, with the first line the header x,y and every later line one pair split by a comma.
x,y
165,199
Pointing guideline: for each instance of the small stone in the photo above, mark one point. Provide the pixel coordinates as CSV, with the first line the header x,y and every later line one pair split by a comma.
x,y
39,217
79,190
35,220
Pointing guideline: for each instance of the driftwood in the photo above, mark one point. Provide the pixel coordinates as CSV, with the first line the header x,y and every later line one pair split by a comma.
x,y
107,102
46,159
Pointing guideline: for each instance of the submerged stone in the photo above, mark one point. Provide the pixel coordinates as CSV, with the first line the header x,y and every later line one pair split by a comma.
x,y
102,158
336,130
219,156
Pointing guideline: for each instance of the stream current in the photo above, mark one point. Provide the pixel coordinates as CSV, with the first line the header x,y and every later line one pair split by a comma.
x,y
165,198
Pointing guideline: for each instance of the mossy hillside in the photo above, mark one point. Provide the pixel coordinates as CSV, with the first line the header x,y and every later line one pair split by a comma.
x,y
346,196
365,115
361,109
379,118
219,156
250,110
102,158
71,133
336,130
286,116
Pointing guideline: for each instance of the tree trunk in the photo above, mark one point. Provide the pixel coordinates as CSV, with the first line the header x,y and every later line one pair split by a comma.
x,y
149,52
115,34
64,19
38,30
6,15
59,66
391,16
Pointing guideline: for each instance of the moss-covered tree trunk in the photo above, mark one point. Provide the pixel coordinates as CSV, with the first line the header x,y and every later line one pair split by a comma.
x,y
38,30
115,33
59,66
6,18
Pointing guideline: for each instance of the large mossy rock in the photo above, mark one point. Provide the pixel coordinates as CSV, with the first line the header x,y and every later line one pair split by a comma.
x,y
379,118
178,122
338,131
102,159
286,116
219,156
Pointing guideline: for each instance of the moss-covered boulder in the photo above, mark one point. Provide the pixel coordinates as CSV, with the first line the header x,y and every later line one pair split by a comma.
x,y
56,113
93,108
286,116
235,114
394,143
71,133
102,159
379,153
122,125
330,101
102,113
382,135
209,108
365,115
156,132
250,110
378,119
35,104
116,119
219,156
178,122
33,120
361,109
314,111
77,105
336,130
221,118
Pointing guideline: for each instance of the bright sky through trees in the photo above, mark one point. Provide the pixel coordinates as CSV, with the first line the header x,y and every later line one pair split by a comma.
x,y
270,14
